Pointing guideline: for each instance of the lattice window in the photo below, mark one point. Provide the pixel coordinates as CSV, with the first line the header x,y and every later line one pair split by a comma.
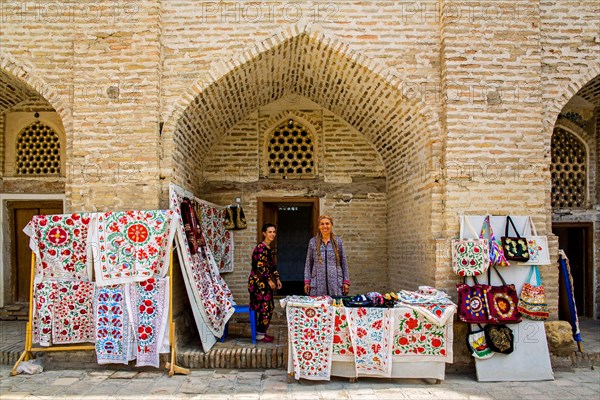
x,y
290,151
568,170
38,151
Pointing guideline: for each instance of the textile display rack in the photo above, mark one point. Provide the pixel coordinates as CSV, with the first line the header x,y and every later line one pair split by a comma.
x,y
29,349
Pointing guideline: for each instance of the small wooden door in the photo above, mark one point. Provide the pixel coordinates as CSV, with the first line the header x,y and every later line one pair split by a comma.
x,y
21,213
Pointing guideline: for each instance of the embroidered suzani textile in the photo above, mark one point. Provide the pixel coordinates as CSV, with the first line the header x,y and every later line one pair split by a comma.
x,y
148,304
44,294
73,317
132,246
60,245
114,336
371,331
210,298
219,240
418,339
310,331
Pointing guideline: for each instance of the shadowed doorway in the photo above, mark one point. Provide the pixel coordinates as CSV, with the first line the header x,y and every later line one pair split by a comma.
x,y
295,219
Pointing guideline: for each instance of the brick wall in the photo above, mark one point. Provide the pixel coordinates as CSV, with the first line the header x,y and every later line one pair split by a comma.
x,y
350,185
457,99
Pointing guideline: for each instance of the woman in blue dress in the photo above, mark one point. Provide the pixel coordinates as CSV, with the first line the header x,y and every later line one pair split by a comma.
x,y
326,270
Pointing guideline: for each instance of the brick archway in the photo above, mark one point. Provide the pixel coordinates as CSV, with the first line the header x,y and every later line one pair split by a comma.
x,y
25,76
366,95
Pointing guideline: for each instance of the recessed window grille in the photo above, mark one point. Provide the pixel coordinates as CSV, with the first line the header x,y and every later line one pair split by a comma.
x,y
38,151
568,170
290,151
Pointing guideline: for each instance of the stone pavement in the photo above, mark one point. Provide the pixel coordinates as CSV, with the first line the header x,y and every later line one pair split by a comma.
x,y
580,383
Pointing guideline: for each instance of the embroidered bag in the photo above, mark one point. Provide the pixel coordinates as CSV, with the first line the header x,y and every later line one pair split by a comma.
x,y
472,303
477,344
470,257
538,247
515,247
502,301
500,338
532,302
496,251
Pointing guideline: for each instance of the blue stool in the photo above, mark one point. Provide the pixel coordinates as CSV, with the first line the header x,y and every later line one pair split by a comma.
x,y
243,309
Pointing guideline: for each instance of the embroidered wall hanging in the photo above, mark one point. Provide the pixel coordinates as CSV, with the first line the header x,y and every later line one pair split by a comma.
x,y
60,245
114,339
132,246
148,305
218,239
44,295
73,312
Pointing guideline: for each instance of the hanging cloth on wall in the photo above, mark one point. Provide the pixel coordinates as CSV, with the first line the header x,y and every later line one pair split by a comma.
x,y
60,245
219,241
132,246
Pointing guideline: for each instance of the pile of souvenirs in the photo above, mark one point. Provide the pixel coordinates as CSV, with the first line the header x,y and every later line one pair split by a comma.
x,y
498,305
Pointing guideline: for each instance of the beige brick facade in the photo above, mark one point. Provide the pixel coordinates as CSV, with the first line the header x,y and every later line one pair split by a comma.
x,y
421,111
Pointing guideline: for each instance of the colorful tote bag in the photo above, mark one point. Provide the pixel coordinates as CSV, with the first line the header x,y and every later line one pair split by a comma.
x,y
538,247
496,252
500,338
470,257
472,303
477,344
532,302
502,302
515,247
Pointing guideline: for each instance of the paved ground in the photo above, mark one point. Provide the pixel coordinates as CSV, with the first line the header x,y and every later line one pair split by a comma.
x,y
272,384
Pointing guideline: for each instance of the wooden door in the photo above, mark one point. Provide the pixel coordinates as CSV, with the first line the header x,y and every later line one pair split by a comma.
x,y
21,213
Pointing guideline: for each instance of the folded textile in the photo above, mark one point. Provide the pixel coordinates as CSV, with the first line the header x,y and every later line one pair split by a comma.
x,y
304,301
148,306
425,294
132,246
310,332
114,337
60,245
371,332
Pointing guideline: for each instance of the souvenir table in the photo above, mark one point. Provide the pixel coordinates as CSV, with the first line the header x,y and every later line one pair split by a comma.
x,y
400,342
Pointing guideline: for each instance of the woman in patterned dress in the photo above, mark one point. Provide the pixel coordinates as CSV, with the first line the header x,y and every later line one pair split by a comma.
x,y
263,280
326,270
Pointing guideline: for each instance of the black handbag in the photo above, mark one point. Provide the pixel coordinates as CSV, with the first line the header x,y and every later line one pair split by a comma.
x,y
499,338
515,247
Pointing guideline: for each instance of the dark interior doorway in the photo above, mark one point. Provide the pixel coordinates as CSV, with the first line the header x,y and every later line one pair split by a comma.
x,y
20,213
295,219
576,239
